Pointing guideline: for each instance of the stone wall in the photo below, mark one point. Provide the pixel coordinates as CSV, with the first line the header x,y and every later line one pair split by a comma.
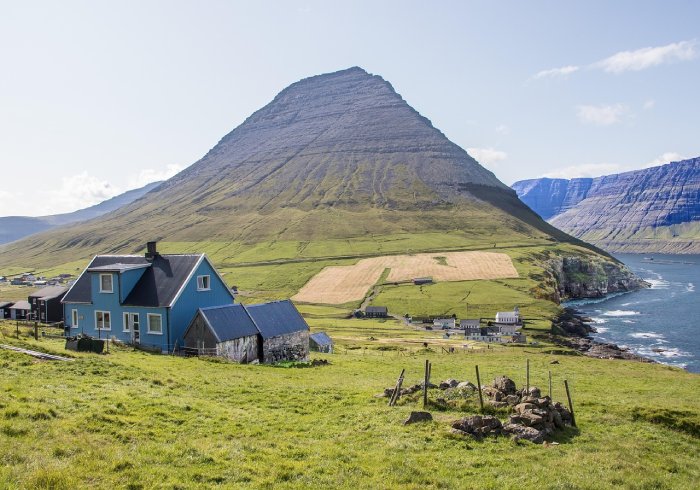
x,y
289,347
243,350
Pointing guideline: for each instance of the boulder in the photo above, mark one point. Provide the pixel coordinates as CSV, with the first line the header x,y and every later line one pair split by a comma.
x,y
466,385
478,426
512,400
504,385
448,383
522,432
523,407
496,404
534,392
418,417
493,393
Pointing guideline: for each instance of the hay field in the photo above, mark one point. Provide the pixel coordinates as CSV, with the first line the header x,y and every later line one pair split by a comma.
x,y
342,284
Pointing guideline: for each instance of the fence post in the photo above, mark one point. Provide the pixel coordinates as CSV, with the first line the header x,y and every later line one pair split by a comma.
x,y
478,387
550,384
425,383
571,405
36,331
527,376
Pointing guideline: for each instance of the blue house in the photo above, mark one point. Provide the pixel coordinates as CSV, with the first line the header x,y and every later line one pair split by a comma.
x,y
143,299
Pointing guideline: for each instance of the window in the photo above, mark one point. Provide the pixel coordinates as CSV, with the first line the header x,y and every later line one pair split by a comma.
x,y
74,318
155,324
131,322
103,320
203,283
106,283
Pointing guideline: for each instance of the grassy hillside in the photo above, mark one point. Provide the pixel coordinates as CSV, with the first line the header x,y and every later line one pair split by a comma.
x,y
133,420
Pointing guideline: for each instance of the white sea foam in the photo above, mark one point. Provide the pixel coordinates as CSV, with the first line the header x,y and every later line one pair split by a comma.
x,y
620,313
601,329
657,283
690,287
628,321
646,335
598,321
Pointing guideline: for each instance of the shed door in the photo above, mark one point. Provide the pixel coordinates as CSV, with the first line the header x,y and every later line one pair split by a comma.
x,y
134,327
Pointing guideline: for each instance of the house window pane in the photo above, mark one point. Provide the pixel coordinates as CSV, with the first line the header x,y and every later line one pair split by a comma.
x,y
103,320
74,318
126,322
203,283
106,283
155,324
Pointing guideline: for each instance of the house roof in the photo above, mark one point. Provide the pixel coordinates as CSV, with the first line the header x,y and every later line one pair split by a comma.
x,y
276,318
49,292
321,338
21,305
158,286
118,267
5,304
508,313
469,322
234,321
376,309
229,322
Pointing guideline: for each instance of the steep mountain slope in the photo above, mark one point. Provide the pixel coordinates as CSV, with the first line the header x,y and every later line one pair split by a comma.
x,y
15,227
334,156
651,210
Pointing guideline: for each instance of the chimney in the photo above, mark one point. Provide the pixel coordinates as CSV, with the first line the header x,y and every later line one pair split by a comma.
x,y
151,250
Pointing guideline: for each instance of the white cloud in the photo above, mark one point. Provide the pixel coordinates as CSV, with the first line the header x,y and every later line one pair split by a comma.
x,y
561,72
636,60
502,129
585,170
644,58
602,115
649,104
487,156
148,175
668,157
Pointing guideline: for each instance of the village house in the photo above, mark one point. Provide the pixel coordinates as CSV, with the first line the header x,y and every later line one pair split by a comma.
x,y
321,342
266,332
46,304
444,323
20,310
143,299
5,309
376,312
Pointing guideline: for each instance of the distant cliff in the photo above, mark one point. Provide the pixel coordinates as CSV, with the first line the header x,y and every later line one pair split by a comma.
x,y
15,227
651,210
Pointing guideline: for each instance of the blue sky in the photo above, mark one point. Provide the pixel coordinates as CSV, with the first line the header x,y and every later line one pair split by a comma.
x,y
100,97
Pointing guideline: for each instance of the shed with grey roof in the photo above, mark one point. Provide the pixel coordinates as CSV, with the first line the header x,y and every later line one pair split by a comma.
x,y
267,332
5,309
321,342
20,310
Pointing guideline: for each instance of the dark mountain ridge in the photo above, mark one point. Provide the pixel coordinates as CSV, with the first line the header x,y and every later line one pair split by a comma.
x,y
333,156
654,209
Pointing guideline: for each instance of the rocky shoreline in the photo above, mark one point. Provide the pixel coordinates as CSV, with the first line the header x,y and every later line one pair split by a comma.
x,y
571,329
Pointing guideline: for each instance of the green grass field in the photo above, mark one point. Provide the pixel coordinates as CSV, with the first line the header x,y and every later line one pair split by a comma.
x,y
134,420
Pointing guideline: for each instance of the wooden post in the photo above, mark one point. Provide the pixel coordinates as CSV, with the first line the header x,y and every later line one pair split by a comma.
x,y
478,387
36,331
425,384
527,375
571,405
550,383
397,391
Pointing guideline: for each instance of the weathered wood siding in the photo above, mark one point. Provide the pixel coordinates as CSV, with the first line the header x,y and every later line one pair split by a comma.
x,y
199,333
243,350
289,347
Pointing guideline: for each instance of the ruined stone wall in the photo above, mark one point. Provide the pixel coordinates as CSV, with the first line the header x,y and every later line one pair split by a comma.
x,y
289,347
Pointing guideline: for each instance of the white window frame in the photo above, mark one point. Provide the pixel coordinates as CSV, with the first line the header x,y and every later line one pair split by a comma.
x,y
135,321
148,323
74,318
97,324
201,286
111,283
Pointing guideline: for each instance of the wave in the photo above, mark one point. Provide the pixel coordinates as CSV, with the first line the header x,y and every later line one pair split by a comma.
x,y
598,321
591,301
690,287
658,283
601,329
628,321
646,335
620,313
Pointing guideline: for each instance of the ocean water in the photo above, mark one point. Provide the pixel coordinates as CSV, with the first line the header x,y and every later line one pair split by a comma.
x,y
662,322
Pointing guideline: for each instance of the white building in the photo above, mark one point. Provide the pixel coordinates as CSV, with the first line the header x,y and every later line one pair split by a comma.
x,y
508,317
444,323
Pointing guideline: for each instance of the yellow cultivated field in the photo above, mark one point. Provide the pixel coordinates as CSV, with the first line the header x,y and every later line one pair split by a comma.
x,y
342,284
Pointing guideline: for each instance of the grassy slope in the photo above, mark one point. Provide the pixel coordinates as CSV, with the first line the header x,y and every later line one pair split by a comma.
x,y
133,420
